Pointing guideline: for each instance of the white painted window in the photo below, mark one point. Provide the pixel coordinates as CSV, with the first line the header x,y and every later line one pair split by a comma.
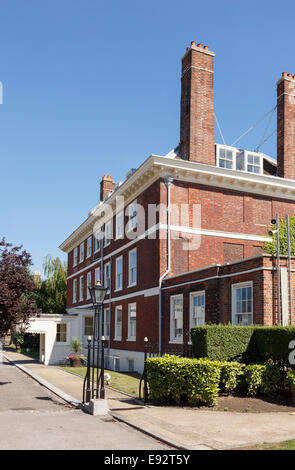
x,y
61,333
253,163
82,252
118,323
89,247
197,308
132,267
106,323
226,157
97,240
89,284
117,363
88,326
132,214
119,273
120,225
176,318
132,322
242,303
108,233
97,275
107,275
81,288
75,257
75,290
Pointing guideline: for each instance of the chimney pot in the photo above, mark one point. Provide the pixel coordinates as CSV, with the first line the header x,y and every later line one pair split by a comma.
x,y
199,45
193,43
284,74
206,48
289,75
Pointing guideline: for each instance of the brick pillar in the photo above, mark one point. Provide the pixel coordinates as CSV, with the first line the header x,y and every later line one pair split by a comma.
x,y
286,126
197,141
107,186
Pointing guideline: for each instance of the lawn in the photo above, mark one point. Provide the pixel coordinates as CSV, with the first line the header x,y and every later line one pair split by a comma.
x,y
284,445
127,382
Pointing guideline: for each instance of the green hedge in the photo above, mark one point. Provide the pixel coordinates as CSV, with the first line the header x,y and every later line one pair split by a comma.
x,y
248,344
175,379
196,381
225,343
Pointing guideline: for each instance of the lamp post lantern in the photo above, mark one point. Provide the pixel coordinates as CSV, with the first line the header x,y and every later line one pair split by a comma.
x,y
97,294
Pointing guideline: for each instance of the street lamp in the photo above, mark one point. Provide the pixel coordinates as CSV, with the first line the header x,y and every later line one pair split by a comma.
x,y
97,294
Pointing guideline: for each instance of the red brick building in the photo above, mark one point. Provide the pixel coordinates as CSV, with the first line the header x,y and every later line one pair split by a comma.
x,y
179,242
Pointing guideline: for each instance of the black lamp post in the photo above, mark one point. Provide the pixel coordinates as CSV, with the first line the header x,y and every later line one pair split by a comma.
x,y
97,294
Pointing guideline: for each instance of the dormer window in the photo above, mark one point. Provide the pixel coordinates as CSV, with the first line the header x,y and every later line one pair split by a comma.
x,y
226,157
253,163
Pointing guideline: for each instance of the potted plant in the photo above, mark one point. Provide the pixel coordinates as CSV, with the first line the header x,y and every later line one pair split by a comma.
x,y
76,357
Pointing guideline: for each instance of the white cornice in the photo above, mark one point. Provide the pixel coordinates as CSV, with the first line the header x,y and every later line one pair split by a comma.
x,y
156,167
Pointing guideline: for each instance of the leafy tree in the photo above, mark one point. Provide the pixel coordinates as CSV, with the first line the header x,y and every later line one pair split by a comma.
x,y
271,247
52,292
17,296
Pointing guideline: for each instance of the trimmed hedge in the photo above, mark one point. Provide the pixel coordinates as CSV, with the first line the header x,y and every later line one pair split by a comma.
x,y
225,343
248,344
195,381
175,379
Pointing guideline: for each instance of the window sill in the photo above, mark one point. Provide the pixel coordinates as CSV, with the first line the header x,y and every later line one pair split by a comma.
x,y
132,285
117,339
133,340
174,341
118,290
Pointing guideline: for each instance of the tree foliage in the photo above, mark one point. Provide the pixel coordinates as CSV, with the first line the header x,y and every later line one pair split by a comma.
x,y
271,247
17,289
52,292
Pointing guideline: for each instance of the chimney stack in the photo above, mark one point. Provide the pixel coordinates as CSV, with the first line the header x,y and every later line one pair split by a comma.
x,y
197,142
107,186
286,126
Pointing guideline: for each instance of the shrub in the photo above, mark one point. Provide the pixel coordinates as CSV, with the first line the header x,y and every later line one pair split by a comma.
x,y
176,379
273,343
290,379
231,374
225,343
264,378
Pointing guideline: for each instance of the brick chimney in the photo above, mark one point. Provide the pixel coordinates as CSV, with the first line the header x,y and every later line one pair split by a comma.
x,y
197,141
286,126
107,186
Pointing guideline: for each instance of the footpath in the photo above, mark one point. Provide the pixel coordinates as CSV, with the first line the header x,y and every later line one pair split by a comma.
x,y
181,427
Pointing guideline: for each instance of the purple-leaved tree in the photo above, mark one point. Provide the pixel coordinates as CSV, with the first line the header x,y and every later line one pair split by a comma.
x,y
17,289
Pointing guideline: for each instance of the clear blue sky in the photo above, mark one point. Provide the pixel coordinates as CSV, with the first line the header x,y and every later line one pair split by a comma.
x,y
93,87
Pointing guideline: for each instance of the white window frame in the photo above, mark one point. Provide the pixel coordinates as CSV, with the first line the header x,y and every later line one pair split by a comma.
x,y
88,284
253,154
106,324
120,226
97,241
66,333
81,291
130,337
82,251
75,290
96,277
234,288
105,276
108,233
218,158
89,247
118,337
84,326
200,293
174,339
75,257
130,269
119,275
132,216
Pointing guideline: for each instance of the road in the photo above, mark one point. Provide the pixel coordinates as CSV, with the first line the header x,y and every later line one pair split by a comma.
x,y
33,418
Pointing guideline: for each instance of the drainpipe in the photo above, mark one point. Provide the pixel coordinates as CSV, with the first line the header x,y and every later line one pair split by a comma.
x,y
168,183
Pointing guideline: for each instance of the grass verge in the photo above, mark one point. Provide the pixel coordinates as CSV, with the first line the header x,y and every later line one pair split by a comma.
x,y
127,382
